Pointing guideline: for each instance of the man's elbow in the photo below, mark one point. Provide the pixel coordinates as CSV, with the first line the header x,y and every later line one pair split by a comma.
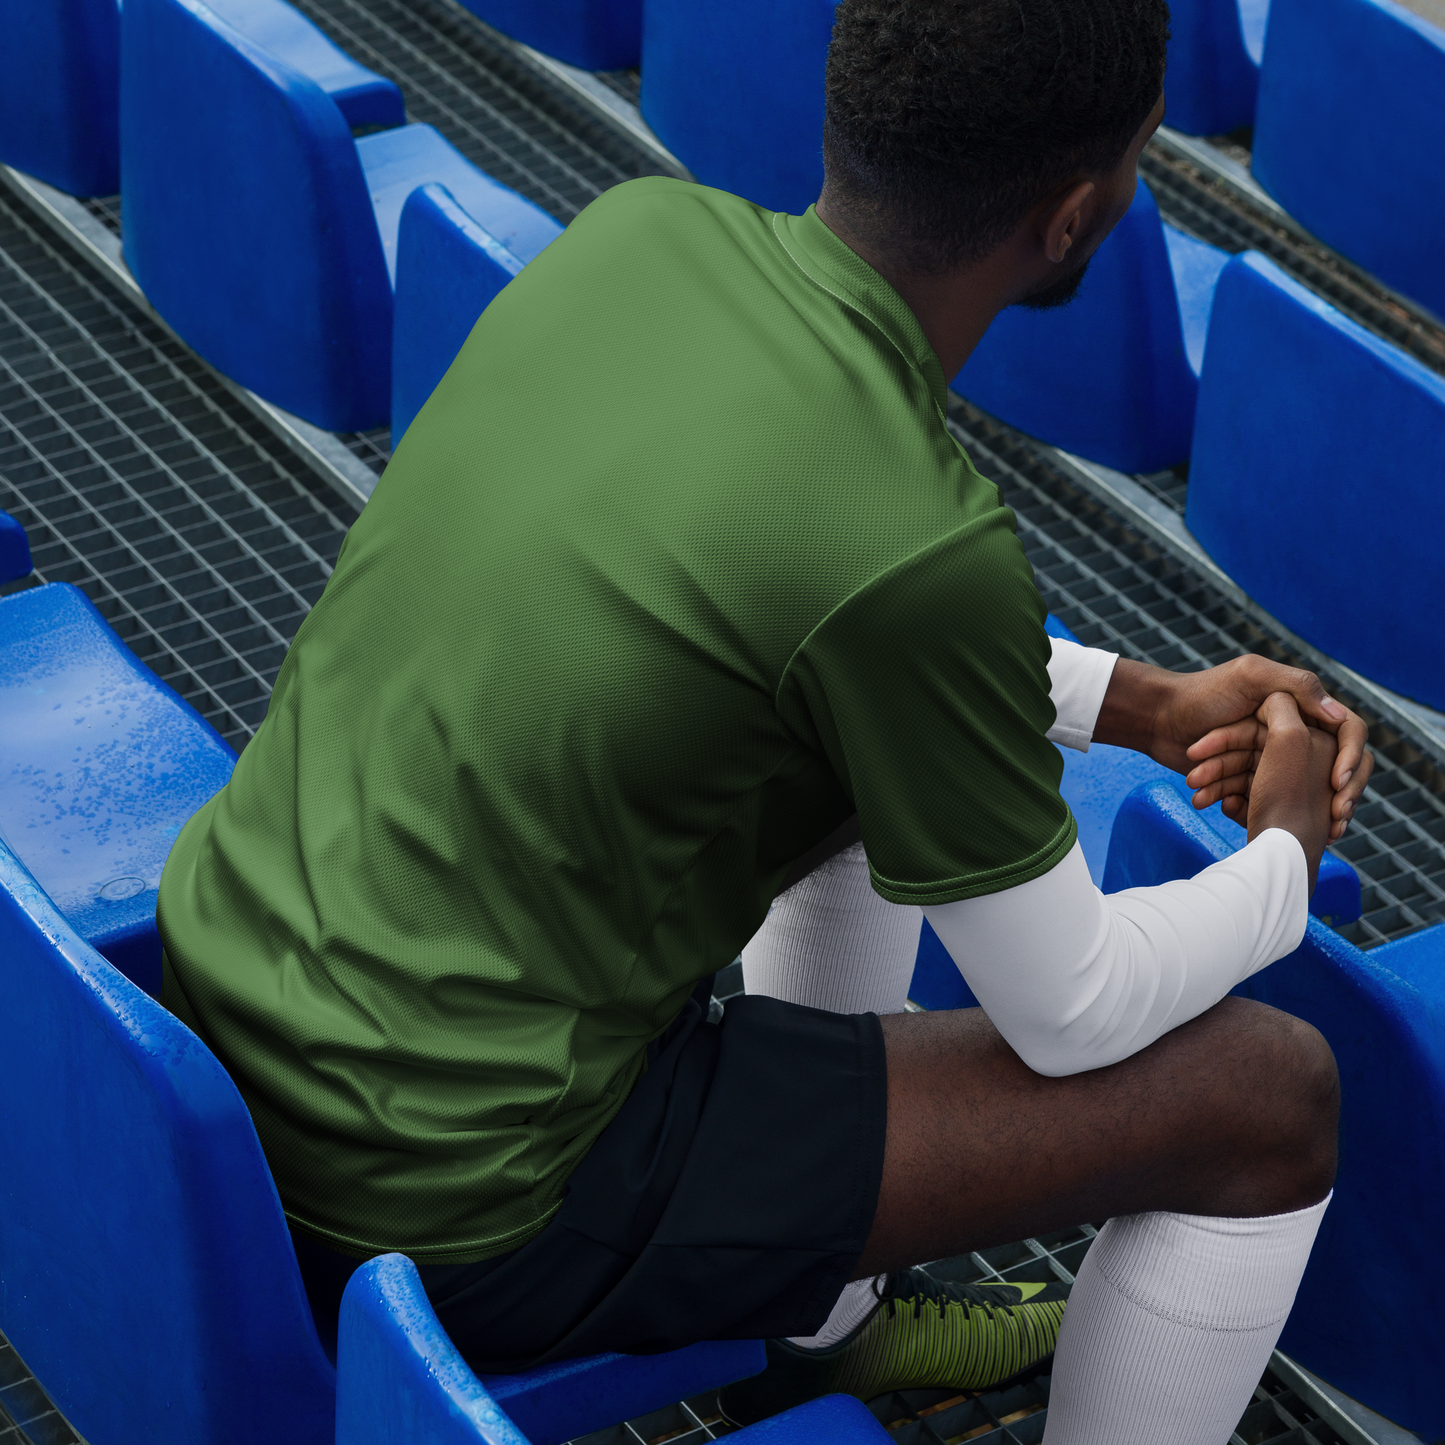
x,y
1056,1054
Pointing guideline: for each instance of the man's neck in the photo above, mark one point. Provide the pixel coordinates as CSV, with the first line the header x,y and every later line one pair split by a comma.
x,y
954,310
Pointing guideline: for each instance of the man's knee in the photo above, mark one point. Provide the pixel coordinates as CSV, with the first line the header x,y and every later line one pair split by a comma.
x,y
1288,1091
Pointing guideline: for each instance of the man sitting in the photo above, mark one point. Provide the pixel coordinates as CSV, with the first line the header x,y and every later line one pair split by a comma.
x,y
677,597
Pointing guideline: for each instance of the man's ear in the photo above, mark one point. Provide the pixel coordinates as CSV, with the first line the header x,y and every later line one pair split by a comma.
x,y
1065,223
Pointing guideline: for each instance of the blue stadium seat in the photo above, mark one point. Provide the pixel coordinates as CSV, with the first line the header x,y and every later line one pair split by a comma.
x,y
593,34
1358,1321
1314,480
146,1272
448,269
59,101
1114,375
1094,786
400,1379
736,93
257,226
14,550
1349,130
100,765
1215,50
364,98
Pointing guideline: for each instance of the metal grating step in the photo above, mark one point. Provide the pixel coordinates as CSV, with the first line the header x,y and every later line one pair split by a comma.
x,y
27,1416
139,478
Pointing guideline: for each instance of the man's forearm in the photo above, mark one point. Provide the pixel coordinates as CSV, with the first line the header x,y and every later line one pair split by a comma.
x,y
1075,979
1135,706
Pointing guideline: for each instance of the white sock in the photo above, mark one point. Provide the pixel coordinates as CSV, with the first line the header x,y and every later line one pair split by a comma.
x,y
855,1304
831,942
1170,1325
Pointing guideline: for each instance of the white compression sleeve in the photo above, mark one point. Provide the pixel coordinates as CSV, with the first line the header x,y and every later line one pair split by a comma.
x,y
1170,1325
832,943
1078,679
1076,979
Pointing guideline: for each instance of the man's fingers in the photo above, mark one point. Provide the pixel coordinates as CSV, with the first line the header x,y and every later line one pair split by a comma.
x,y
1310,697
1352,737
1278,712
1237,808
1240,760
1347,798
1236,785
1233,737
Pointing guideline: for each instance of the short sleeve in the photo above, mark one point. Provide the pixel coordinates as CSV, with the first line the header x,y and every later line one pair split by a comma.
x,y
928,690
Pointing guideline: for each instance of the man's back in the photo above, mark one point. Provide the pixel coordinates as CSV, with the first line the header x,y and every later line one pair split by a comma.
x,y
642,587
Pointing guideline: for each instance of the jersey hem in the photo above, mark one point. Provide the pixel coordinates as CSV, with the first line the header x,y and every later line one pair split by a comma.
x,y
470,1253
976,885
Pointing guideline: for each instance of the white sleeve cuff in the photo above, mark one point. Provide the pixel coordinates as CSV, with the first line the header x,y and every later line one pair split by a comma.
x,y
1078,679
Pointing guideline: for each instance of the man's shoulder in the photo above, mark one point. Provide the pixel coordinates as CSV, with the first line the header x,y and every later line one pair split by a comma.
x,y
657,212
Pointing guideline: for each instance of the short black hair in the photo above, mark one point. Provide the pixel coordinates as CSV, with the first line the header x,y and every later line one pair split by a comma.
x,y
948,119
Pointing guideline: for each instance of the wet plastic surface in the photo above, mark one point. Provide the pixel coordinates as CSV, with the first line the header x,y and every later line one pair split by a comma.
x,y
100,767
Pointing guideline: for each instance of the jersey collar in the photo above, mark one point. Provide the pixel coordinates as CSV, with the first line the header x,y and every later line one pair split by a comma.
x,y
842,272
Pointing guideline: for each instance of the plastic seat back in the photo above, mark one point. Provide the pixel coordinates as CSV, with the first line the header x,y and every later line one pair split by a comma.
x,y
363,97
1349,131
448,269
146,1273
59,102
14,550
1109,375
247,217
1383,1014
1328,441
593,34
100,766
399,1378
736,93
1212,75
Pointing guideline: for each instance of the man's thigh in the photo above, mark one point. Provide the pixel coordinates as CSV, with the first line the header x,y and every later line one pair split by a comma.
x,y
1230,1114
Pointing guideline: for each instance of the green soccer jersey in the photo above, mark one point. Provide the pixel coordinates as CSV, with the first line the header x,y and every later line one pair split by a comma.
x,y
677,568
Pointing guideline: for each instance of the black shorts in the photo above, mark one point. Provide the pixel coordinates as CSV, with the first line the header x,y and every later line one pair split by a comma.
x,y
730,1198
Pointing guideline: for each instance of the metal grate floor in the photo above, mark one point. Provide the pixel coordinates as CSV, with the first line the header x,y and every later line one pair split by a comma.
x,y
1116,590
141,480
26,1415
106,209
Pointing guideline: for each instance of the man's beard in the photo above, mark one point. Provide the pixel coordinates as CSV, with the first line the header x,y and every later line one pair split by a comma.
x,y
1059,294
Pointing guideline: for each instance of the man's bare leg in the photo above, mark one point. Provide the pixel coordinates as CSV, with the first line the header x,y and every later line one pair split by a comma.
x,y
1230,1117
